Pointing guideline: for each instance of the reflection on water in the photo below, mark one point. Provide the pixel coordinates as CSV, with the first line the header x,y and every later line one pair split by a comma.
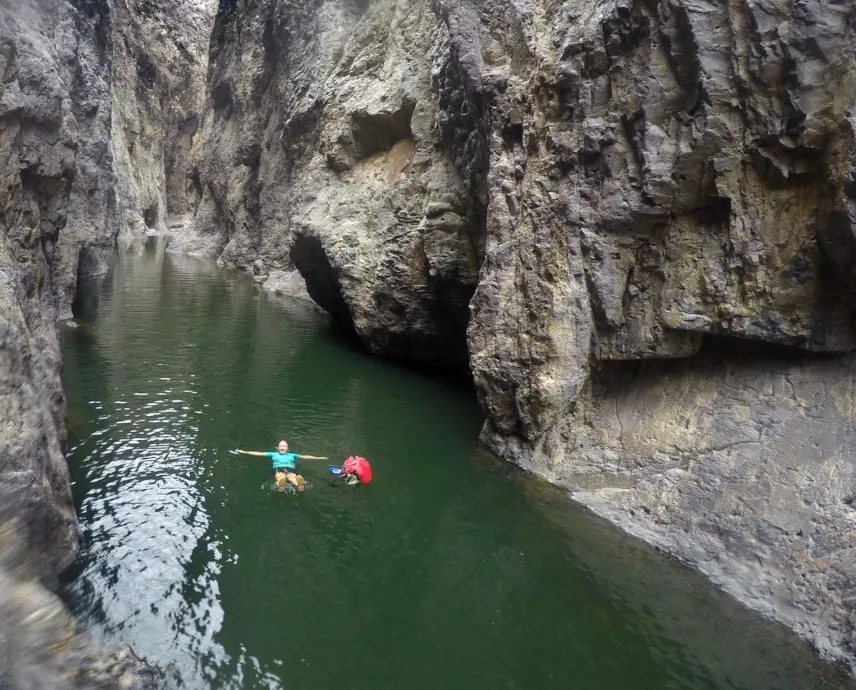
x,y
449,571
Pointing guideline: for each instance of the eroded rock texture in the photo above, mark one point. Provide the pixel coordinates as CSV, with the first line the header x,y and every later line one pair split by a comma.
x,y
58,218
601,182
57,209
160,58
741,462
320,151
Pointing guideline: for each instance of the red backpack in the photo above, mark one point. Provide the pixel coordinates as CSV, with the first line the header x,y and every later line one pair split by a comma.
x,y
359,466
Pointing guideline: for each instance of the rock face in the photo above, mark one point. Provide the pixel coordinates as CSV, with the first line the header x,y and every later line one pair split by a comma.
x,y
594,204
632,220
319,150
739,462
63,82
57,211
160,58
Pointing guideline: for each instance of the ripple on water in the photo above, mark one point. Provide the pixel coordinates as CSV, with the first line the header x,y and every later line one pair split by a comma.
x,y
449,571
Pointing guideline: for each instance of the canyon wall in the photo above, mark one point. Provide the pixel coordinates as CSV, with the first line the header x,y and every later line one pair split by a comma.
x,y
319,151
160,59
58,211
70,184
632,219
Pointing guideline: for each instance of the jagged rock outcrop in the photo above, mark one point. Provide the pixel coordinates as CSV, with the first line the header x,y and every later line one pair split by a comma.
x,y
601,182
59,216
57,211
319,151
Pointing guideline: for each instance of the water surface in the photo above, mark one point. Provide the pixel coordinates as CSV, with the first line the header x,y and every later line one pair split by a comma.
x,y
450,571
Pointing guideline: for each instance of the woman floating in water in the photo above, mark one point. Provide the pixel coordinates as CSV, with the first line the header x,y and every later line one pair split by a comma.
x,y
284,464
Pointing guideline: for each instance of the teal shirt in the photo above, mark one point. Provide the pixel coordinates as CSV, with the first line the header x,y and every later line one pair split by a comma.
x,y
283,461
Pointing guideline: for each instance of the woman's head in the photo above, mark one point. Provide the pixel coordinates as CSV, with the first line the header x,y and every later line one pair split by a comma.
x,y
282,446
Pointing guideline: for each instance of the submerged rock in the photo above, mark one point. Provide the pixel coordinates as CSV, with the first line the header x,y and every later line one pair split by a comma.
x,y
552,191
287,284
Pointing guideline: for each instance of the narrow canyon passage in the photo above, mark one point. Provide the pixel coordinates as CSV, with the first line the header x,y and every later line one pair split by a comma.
x,y
450,570
631,223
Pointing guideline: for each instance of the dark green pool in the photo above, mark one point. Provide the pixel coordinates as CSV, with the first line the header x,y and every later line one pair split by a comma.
x,y
449,571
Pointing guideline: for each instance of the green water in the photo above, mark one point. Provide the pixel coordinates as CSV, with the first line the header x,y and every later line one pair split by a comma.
x,y
450,571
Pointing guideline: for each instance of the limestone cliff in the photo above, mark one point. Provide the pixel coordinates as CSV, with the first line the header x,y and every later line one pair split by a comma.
x,y
65,99
566,195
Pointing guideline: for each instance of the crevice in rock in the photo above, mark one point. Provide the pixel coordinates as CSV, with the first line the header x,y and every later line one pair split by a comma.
x,y
376,132
180,189
91,266
50,194
89,263
223,100
727,348
682,52
150,216
146,70
322,280
97,14
269,62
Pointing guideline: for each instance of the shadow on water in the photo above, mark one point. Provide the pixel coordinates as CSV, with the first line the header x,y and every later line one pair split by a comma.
x,y
451,570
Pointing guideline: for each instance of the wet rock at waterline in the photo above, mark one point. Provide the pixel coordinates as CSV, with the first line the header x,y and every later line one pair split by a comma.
x,y
41,647
62,204
555,191
739,461
546,192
